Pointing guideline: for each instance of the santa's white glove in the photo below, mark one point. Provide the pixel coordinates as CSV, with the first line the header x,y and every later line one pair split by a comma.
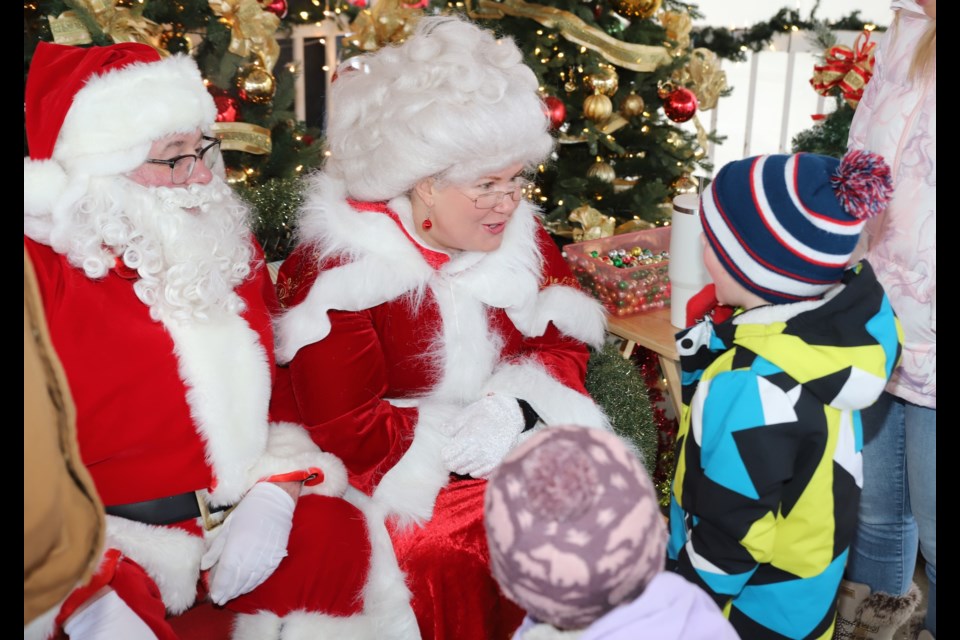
x,y
107,618
252,543
484,432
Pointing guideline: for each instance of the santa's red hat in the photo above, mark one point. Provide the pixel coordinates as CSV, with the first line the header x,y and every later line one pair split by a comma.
x,y
95,111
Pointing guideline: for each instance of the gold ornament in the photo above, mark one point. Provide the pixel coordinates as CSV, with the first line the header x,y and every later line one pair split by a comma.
x,y
677,25
256,84
636,57
236,177
174,41
593,224
643,9
597,107
602,171
632,106
605,81
625,184
684,184
252,29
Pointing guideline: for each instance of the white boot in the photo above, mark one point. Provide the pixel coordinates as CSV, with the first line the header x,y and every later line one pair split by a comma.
x,y
865,616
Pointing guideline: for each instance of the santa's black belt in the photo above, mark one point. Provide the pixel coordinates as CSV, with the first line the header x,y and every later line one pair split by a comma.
x,y
170,510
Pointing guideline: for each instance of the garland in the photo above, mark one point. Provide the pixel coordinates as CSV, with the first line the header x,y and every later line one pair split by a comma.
x,y
630,393
733,44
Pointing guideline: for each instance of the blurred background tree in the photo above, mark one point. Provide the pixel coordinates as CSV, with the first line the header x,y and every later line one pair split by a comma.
x,y
619,77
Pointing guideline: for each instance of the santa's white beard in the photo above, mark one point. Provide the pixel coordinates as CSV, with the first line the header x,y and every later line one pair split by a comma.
x,y
190,246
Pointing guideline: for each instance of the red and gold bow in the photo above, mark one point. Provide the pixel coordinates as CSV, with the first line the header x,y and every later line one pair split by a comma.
x,y
846,68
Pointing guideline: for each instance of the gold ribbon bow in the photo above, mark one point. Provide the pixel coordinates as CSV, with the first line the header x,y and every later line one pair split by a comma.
x,y
637,57
386,22
252,29
847,69
594,224
703,76
678,25
118,23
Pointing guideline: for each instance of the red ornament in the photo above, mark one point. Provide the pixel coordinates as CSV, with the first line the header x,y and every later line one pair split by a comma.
x,y
278,7
307,140
556,111
226,108
680,104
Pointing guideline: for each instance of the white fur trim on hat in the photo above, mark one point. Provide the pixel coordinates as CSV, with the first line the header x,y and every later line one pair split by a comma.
x,y
118,115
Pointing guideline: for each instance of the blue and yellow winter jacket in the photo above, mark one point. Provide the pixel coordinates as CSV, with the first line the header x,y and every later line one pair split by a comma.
x,y
764,500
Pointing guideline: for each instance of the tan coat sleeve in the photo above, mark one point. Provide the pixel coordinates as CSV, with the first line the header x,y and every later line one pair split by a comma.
x,y
63,521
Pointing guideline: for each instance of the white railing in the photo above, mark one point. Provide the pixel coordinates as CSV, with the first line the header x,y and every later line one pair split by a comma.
x,y
772,100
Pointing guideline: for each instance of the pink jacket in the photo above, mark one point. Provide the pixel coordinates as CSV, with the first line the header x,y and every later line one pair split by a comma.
x,y
897,118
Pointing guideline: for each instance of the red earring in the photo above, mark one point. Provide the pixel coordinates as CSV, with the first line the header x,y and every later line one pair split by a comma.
x,y
426,225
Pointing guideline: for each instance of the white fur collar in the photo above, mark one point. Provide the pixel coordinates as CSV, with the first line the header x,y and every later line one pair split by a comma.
x,y
385,264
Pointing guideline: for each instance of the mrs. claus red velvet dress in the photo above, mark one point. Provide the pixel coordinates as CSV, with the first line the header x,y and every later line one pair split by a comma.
x,y
388,339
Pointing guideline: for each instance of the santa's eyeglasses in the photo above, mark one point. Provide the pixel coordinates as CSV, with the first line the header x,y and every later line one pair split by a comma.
x,y
181,167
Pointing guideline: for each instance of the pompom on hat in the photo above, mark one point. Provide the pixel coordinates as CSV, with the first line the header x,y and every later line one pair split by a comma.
x,y
573,525
785,226
96,111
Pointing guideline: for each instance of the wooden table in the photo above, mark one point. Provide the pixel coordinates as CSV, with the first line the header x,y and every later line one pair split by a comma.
x,y
652,329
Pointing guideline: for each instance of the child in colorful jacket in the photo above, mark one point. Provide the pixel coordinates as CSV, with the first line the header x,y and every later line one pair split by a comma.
x,y
768,476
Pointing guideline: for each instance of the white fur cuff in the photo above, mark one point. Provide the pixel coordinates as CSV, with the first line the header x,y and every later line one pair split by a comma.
x,y
290,449
555,403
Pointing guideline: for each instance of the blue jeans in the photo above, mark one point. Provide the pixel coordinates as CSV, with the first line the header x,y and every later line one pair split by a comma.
x,y
898,506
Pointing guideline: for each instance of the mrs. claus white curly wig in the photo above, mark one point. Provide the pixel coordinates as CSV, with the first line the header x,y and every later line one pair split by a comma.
x,y
452,102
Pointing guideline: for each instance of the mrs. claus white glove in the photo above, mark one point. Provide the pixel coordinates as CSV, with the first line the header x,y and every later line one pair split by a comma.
x,y
107,618
484,432
252,543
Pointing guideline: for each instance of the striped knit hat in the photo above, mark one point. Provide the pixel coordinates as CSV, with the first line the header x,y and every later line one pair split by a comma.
x,y
785,226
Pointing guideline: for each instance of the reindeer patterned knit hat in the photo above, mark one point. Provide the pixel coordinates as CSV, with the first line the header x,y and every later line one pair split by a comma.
x,y
573,525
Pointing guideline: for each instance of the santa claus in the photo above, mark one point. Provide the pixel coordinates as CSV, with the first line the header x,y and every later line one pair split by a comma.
x,y
159,307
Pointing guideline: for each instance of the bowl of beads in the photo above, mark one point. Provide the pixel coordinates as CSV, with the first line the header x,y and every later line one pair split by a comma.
x,y
628,273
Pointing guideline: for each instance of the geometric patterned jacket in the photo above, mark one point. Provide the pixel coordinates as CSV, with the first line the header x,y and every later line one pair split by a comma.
x,y
768,474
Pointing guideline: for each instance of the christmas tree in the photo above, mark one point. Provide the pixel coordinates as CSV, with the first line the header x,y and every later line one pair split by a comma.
x,y
617,78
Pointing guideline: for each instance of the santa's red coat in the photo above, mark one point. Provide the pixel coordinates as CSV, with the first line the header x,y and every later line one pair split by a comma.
x,y
161,411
